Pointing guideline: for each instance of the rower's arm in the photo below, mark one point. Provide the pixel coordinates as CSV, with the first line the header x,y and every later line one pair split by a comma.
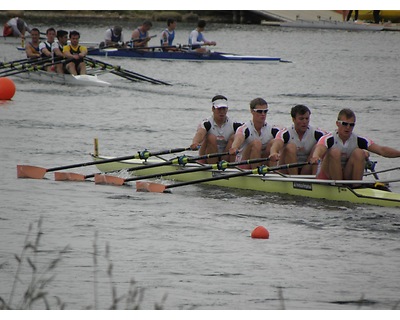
x,y
276,147
384,151
30,53
198,138
318,153
237,142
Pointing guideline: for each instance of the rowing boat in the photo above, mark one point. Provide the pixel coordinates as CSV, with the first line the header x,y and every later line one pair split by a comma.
x,y
332,24
66,79
180,55
303,186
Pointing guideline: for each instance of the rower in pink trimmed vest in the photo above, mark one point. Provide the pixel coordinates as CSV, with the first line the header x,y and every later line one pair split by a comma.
x,y
342,153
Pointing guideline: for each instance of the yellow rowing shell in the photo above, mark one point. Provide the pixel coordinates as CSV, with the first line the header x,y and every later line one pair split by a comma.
x,y
303,186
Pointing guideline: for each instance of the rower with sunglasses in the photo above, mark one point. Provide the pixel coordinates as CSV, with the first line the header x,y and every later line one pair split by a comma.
x,y
297,142
215,134
254,138
342,154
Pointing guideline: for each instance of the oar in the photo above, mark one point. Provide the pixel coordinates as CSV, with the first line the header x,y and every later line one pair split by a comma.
x,y
181,160
24,64
139,40
381,171
32,67
184,47
33,172
117,70
13,64
127,73
222,165
158,187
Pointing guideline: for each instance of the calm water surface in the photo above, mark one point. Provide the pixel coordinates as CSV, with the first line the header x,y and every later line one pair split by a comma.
x,y
193,247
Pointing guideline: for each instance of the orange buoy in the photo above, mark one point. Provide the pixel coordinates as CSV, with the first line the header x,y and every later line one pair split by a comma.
x,y
260,233
7,89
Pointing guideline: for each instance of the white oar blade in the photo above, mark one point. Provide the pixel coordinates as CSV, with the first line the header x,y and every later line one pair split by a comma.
x,y
146,186
68,176
30,172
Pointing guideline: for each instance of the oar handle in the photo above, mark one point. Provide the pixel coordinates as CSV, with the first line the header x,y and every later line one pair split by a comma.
x,y
145,154
140,39
182,160
221,165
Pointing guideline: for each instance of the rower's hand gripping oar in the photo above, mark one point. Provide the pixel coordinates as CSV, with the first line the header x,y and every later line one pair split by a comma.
x,y
33,172
158,187
221,165
130,42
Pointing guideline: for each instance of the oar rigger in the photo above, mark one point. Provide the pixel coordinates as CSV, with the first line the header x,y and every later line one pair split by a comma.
x,y
221,166
63,176
160,188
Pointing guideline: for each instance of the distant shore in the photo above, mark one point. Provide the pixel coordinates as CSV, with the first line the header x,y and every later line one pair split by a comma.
x,y
122,15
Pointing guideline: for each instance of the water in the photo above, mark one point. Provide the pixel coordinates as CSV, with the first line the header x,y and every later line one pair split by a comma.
x,y
193,246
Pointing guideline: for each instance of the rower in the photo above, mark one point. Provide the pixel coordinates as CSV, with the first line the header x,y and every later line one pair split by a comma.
x,y
16,27
197,39
32,48
168,36
140,36
46,47
75,52
297,142
342,153
114,37
215,134
254,138
58,47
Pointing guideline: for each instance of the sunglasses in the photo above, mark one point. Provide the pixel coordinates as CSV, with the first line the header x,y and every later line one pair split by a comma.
x,y
261,111
346,124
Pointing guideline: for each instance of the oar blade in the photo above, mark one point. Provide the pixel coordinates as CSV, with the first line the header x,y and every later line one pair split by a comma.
x,y
68,176
146,186
105,179
30,172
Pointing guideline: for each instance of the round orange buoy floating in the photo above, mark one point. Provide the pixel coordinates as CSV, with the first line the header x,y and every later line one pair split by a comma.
x,y
7,89
260,233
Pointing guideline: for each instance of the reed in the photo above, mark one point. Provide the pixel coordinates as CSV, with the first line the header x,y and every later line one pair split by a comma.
x,y
42,275
36,292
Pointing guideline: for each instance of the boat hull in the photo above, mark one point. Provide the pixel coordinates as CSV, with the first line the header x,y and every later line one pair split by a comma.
x,y
180,55
66,79
271,183
337,25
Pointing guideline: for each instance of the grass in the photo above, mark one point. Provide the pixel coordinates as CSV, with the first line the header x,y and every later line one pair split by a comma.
x,y
36,291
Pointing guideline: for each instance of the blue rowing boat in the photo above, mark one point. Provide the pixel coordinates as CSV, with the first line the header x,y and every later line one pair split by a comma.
x,y
179,55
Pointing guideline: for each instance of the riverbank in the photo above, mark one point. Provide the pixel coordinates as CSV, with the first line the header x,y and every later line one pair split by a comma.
x,y
213,16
